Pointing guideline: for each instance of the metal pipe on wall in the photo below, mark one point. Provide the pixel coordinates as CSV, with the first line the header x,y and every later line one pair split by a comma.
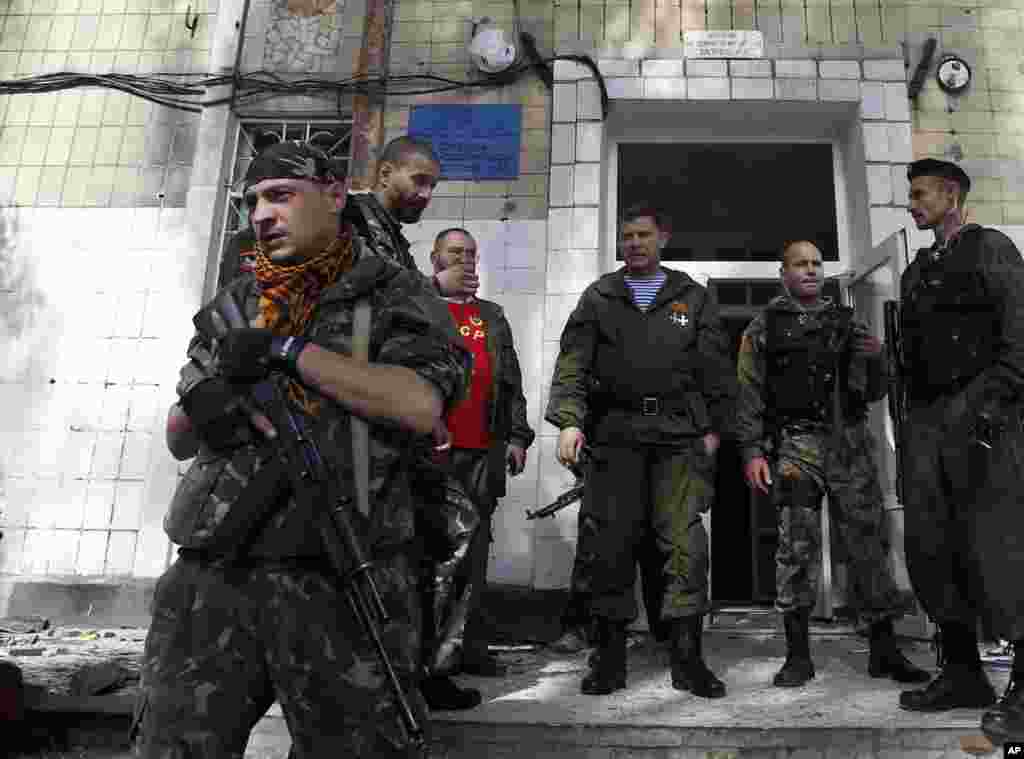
x,y
368,106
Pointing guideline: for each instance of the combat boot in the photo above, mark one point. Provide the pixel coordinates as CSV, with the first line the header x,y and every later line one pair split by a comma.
x,y
442,694
962,683
689,672
798,667
1005,721
608,672
885,658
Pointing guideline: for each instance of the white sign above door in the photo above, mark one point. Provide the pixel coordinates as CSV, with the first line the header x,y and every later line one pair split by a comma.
x,y
729,43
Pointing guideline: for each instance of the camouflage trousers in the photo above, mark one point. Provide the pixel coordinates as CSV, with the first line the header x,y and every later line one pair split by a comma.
x,y
224,644
807,466
631,494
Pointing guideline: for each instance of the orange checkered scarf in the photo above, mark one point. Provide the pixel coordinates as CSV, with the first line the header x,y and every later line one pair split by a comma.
x,y
288,295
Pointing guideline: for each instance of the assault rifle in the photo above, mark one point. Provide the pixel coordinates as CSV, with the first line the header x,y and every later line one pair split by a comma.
x,y
309,479
897,396
571,495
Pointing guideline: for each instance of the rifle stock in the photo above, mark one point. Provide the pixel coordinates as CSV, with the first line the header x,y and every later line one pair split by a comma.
x,y
897,386
308,476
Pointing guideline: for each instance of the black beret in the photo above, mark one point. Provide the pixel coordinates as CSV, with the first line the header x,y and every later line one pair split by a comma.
x,y
931,167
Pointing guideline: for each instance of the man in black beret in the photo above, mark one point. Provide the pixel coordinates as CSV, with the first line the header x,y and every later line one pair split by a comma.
x,y
962,318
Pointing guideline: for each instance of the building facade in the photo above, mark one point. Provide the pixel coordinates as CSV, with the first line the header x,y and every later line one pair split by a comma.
x,y
116,210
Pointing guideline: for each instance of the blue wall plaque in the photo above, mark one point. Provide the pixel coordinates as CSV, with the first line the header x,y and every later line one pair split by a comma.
x,y
473,141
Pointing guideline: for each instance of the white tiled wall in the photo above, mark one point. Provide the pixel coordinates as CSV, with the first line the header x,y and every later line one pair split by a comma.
x,y
97,315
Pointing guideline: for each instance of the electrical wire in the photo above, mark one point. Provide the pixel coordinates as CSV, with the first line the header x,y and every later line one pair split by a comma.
x,y
186,92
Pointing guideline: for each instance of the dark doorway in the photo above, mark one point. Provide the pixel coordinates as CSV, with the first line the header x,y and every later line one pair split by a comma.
x,y
744,534
734,201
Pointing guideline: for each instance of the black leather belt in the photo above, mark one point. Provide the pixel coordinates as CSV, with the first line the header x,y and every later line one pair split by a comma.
x,y
652,405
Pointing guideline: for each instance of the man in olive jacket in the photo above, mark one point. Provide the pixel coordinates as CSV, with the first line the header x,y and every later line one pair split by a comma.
x,y
489,430
644,367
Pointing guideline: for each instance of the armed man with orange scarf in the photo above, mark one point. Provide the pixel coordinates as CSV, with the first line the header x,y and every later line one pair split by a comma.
x,y
251,612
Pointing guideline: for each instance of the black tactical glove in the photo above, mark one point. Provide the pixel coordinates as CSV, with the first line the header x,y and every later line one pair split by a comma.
x,y
217,413
248,354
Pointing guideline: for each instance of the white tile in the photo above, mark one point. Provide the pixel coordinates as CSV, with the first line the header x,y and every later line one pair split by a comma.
x,y
62,552
752,89
570,71
900,184
572,271
888,71
750,68
135,459
664,89
556,312
120,553
798,69
98,506
522,281
589,140
128,502
586,184
838,90
151,552
622,88
563,143
839,69
526,243
876,142
886,221
12,549
706,68
158,361
585,227
92,552
662,68
122,360
707,89
35,559
614,67
76,457
561,186
901,149
560,228
897,102
589,101
872,100
879,184
106,459
564,106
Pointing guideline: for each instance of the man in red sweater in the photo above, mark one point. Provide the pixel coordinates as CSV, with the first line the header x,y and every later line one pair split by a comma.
x,y
489,430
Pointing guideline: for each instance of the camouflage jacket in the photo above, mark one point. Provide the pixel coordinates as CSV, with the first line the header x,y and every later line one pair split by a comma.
x,y
408,329
378,228
613,354
868,377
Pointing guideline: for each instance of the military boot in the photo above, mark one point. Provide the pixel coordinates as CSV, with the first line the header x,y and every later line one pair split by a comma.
x,y
608,672
885,658
1005,721
689,672
798,667
442,694
962,683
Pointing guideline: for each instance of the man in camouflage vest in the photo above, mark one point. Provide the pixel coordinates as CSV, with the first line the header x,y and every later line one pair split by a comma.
x,y
406,175
806,374
253,614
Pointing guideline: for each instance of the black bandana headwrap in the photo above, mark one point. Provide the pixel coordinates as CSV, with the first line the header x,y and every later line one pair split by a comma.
x,y
291,160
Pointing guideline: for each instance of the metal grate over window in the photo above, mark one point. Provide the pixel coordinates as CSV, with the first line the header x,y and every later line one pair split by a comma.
x,y
333,136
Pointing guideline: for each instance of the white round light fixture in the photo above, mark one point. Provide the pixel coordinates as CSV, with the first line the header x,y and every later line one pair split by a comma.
x,y
491,50
953,75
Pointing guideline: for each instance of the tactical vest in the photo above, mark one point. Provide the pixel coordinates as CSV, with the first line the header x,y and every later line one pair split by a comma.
x,y
949,322
807,353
